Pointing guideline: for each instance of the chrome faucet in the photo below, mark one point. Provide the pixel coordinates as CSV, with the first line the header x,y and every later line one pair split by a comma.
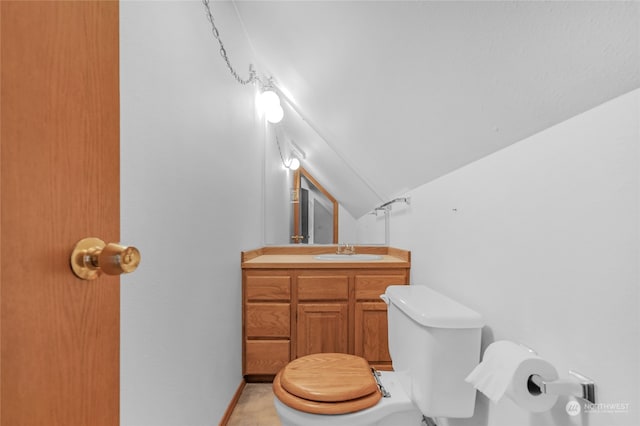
x,y
344,248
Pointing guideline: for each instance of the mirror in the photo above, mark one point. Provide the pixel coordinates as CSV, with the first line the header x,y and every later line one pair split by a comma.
x,y
315,211
324,173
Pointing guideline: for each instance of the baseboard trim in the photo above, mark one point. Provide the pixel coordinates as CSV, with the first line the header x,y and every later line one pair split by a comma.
x,y
232,404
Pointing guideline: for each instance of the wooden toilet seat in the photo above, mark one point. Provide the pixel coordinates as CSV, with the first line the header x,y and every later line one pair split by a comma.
x,y
327,383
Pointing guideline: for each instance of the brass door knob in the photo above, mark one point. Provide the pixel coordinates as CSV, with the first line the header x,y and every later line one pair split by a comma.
x,y
92,256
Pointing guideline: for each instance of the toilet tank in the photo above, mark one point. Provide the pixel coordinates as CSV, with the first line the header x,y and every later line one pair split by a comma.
x,y
434,343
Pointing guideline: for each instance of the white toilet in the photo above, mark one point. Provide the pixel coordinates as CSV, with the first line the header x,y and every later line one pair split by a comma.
x,y
434,343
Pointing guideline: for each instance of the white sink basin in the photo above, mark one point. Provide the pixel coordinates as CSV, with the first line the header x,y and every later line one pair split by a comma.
x,y
361,257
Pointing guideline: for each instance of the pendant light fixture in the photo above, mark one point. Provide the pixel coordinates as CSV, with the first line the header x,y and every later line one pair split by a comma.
x,y
270,104
269,99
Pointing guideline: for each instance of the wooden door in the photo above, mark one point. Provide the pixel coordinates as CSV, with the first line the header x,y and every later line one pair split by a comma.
x,y
322,327
59,183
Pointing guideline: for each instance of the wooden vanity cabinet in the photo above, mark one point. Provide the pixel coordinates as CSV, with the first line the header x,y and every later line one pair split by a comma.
x,y
294,309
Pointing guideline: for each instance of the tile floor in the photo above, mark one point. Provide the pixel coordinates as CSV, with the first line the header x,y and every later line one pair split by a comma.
x,y
255,407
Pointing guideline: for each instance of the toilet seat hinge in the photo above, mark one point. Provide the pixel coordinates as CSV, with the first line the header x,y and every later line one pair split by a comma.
x,y
376,376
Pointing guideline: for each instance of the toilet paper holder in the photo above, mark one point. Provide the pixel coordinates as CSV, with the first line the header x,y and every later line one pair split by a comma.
x,y
576,385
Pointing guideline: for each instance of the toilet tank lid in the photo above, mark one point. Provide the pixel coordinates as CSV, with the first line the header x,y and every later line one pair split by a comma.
x,y
432,309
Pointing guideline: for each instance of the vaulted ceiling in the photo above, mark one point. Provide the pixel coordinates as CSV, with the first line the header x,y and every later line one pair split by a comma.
x,y
405,92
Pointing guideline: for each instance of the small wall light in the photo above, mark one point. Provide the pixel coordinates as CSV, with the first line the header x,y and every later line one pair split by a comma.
x,y
269,99
294,164
270,104
275,114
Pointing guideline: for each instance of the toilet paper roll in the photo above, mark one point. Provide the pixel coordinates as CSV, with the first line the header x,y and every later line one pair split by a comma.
x,y
505,370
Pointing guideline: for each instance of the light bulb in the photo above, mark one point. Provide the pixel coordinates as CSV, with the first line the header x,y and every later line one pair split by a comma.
x,y
274,114
294,164
269,99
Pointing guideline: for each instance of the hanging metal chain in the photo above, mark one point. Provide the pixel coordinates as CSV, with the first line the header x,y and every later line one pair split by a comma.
x,y
284,163
223,52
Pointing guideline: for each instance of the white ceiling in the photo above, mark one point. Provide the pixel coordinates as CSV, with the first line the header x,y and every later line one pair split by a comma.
x,y
406,92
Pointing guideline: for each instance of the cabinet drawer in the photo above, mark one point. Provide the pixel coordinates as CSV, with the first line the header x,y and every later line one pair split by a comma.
x,y
268,288
268,320
370,287
266,356
330,287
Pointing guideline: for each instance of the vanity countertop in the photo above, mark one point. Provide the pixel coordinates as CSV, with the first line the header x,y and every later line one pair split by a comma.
x,y
297,257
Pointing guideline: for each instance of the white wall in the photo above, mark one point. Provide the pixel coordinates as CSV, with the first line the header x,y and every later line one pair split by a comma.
x,y
370,228
542,238
191,170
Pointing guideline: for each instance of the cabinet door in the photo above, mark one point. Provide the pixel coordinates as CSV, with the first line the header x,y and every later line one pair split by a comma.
x,y
322,327
371,341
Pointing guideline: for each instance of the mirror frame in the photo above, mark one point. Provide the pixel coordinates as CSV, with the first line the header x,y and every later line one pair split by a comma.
x,y
297,175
